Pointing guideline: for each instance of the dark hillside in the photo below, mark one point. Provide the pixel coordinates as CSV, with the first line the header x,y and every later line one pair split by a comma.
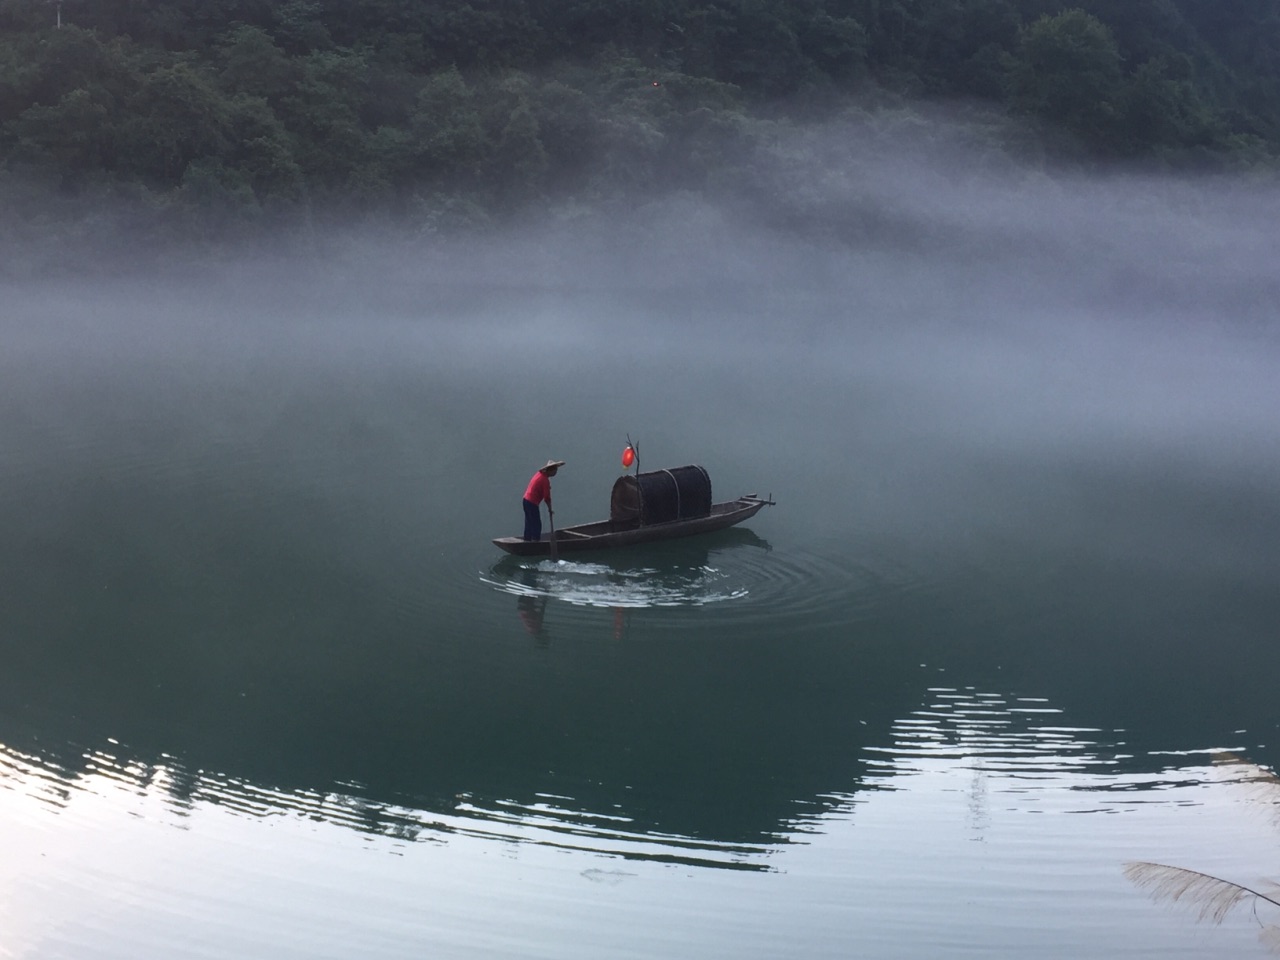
x,y
215,115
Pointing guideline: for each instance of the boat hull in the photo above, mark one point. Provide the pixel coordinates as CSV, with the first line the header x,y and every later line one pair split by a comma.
x,y
607,535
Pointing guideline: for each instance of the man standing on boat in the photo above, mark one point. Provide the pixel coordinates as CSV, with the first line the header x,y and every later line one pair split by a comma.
x,y
539,489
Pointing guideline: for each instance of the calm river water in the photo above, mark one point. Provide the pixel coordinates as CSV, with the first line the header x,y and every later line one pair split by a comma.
x,y
269,691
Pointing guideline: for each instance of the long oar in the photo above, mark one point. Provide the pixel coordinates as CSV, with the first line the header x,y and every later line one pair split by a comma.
x,y
551,518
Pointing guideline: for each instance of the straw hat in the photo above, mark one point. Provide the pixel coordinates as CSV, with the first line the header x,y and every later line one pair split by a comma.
x,y
552,465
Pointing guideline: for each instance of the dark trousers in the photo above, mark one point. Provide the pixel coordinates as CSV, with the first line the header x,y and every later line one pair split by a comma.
x,y
532,521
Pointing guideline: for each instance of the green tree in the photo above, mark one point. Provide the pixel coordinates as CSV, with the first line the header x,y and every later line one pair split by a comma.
x,y
60,61
62,94
22,15
300,27
262,152
836,45
322,112
515,162
74,137
970,50
649,29
568,129
446,134
752,44
17,55
222,194
1161,108
1070,76
177,115
483,33
252,64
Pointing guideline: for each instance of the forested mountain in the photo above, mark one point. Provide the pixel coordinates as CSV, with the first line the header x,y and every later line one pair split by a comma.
x,y
467,111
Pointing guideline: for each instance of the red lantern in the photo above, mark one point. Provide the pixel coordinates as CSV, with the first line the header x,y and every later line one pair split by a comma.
x,y
628,456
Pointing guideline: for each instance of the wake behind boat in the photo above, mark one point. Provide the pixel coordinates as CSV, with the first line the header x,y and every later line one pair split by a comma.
x,y
660,505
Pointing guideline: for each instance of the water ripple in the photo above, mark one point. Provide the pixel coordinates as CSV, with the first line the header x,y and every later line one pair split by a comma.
x,y
545,820
745,580
604,585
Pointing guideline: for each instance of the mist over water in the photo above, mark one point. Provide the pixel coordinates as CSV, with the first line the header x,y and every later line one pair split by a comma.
x,y
1021,435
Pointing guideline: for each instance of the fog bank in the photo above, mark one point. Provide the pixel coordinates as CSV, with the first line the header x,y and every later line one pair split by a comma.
x,y
923,338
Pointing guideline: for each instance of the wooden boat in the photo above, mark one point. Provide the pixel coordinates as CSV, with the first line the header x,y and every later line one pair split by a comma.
x,y
612,533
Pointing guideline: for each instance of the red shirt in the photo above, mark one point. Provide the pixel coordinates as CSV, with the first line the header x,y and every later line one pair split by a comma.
x,y
539,488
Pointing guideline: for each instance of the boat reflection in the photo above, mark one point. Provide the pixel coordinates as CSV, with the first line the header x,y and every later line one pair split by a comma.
x,y
672,574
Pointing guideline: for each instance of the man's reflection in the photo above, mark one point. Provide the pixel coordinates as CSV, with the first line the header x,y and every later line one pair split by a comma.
x,y
531,607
